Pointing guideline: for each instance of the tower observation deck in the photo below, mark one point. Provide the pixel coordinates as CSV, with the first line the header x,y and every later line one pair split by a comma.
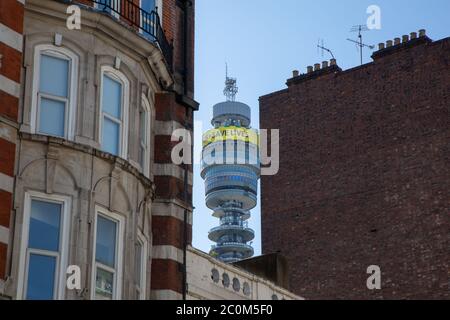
x,y
231,169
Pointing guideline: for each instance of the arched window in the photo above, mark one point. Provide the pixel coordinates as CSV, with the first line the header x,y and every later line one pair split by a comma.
x,y
55,82
144,135
114,102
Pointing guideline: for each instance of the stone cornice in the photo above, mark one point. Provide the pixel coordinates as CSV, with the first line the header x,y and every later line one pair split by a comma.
x,y
119,162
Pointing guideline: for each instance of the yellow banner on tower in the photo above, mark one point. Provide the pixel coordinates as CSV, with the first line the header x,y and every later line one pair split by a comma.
x,y
230,133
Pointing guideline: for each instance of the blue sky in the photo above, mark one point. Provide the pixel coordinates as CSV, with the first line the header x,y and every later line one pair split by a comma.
x,y
263,41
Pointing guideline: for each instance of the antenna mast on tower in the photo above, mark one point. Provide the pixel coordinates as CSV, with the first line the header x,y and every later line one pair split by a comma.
x,y
231,88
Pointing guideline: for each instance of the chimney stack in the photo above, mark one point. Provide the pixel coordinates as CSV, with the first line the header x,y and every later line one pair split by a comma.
x,y
317,67
397,41
405,38
295,73
324,64
413,35
309,69
422,33
381,46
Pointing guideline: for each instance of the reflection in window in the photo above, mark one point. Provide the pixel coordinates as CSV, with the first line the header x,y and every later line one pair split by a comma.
x,y
53,94
43,250
105,258
112,101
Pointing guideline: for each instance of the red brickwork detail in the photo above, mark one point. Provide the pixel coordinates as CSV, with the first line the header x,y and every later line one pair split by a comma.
x,y
169,231
167,275
11,14
3,257
7,156
8,106
5,208
11,62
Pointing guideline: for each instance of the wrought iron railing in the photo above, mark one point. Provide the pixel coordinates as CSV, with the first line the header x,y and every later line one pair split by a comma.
x,y
148,23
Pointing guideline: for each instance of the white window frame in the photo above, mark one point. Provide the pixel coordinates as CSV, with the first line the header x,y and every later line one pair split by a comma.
x,y
146,146
118,270
61,256
142,286
71,100
123,131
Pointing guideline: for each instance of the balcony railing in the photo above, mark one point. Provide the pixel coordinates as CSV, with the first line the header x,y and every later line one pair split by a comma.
x,y
148,23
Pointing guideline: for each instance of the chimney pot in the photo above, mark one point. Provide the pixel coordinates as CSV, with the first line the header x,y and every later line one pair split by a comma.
x,y
295,73
397,41
316,66
310,69
325,64
405,38
413,35
422,33
389,43
332,62
381,46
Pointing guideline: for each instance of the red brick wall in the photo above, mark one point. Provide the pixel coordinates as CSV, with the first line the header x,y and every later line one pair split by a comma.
x,y
173,24
11,16
364,177
167,230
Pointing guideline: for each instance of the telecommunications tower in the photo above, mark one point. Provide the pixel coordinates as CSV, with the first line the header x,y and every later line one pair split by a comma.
x,y
231,169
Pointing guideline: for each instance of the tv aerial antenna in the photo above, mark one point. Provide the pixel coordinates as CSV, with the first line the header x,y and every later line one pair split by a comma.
x,y
359,43
231,88
321,46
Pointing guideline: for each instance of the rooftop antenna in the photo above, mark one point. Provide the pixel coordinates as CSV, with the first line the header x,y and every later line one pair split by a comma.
x,y
320,45
231,89
360,29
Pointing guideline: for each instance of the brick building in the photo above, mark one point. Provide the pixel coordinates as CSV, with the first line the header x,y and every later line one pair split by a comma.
x,y
86,176
364,174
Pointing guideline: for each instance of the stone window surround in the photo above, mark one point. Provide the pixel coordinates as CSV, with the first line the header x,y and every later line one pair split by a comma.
x,y
120,238
64,245
73,85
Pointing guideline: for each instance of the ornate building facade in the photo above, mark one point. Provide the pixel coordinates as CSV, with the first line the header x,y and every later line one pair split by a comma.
x,y
86,176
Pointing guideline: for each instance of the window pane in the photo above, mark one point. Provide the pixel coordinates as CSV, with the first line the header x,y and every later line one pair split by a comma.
x,y
110,138
54,77
52,117
112,97
106,241
45,220
41,277
104,284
